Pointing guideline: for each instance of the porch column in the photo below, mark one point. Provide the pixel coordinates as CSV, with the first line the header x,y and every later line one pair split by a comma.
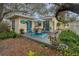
x,y
51,25
29,26
33,24
42,24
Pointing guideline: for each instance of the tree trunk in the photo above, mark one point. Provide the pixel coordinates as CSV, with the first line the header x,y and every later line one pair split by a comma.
x,y
1,11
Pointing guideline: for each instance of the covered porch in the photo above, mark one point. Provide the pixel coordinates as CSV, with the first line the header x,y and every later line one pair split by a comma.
x,y
37,25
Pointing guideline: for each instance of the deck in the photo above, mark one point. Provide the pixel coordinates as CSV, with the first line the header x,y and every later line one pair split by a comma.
x,y
41,39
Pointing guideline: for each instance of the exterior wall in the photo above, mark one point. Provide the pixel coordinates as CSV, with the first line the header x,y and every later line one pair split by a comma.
x,y
19,26
23,26
62,27
54,24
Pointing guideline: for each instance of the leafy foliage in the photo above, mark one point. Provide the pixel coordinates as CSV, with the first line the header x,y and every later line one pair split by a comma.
x,y
5,31
22,31
41,9
70,39
5,35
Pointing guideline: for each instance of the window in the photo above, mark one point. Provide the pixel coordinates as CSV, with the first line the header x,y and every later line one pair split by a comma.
x,y
13,24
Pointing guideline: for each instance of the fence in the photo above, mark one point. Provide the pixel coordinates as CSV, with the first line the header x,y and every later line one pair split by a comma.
x,y
74,26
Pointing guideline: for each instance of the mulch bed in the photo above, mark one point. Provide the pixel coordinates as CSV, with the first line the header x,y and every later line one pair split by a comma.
x,y
21,46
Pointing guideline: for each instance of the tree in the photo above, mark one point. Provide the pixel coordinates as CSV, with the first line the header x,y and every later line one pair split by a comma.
x,y
7,8
1,11
41,9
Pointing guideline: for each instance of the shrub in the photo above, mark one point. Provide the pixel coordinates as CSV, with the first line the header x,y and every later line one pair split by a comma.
x,y
5,35
68,36
5,31
11,34
4,27
71,39
22,31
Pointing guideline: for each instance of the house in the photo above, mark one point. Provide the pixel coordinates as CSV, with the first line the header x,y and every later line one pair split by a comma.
x,y
16,19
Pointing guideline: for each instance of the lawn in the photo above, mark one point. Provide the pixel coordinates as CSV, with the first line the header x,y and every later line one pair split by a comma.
x,y
24,47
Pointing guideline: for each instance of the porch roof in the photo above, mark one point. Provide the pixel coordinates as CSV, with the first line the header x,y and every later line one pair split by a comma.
x,y
13,15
